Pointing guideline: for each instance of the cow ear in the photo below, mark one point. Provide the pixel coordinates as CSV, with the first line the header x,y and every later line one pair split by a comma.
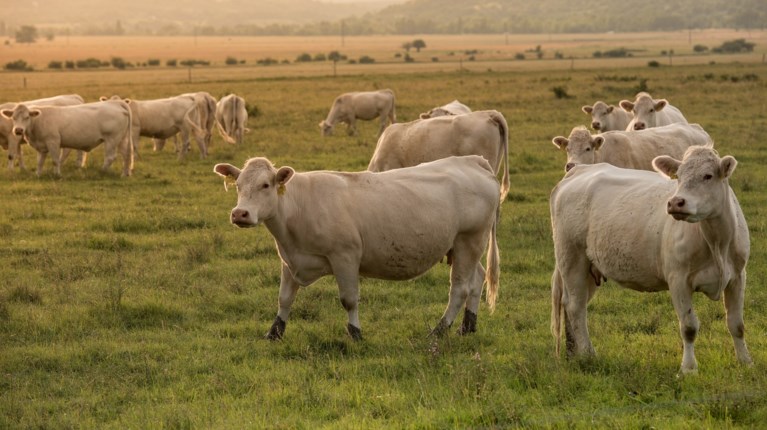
x,y
228,172
560,142
284,175
7,113
665,165
587,109
424,116
627,105
128,101
34,112
322,123
597,142
103,98
660,104
610,109
727,166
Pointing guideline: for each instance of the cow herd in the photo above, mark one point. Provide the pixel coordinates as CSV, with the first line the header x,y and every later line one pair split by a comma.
x,y
644,202
62,123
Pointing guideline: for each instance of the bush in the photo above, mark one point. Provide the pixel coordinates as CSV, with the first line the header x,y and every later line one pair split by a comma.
x,y
435,59
69,64
367,60
519,56
192,63
735,46
700,48
55,65
153,62
653,63
268,61
320,57
561,93
230,61
409,59
118,63
171,63
352,61
19,65
88,63
304,58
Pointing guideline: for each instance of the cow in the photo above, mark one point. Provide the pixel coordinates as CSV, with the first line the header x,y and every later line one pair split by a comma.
x,y
681,230
164,118
392,225
231,118
484,133
206,108
81,127
350,107
11,142
630,149
453,108
606,117
649,112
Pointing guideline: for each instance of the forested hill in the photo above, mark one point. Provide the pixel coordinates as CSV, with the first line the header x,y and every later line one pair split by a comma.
x,y
317,17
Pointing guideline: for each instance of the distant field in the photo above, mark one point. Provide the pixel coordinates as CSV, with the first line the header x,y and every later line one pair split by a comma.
x,y
134,303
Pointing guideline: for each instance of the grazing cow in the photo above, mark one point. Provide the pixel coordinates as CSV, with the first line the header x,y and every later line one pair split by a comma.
x,y
350,107
164,118
11,142
391,225
81,127
651,113
607,118
231,118
630,149
482,133
650,233
453,108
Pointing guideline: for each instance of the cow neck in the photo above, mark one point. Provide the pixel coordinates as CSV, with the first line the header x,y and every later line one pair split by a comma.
x,y
718,232
280,225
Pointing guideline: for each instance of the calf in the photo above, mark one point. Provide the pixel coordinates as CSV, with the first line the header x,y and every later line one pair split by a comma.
x,y
649,232
392,225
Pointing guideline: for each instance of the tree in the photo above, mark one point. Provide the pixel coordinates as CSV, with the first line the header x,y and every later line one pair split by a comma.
x,y
418,44
27,34
406,46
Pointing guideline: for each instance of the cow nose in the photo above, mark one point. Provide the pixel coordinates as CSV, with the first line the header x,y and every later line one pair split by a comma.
x,y
595,125
239,215
674,204
639,126
18,131
569,166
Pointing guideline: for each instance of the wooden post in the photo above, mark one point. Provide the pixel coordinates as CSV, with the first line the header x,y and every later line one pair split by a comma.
x,y
190,74
25,82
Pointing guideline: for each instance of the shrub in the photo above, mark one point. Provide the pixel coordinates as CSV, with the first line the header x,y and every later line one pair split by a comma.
x,y
55,65
266,61
230,61
320,57
171,63
653,63
118,63
19,65
69,64
519,56
561,93
367,60
153,62
303,58
409,59
193,62
352,61
397,55
435,59
700,48
89,63
735,46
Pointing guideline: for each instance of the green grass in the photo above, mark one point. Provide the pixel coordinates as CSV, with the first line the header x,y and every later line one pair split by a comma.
x,y
133,303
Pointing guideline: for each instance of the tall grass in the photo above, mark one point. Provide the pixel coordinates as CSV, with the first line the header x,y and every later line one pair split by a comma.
x,y
132,303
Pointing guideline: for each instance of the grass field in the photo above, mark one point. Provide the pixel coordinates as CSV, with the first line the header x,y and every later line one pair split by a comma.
x,y
133,303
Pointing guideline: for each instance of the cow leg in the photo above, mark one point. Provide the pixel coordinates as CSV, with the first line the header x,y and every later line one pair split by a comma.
x,y
158,144
40,161
733,305
55,151
184,146
352,129
469,324
126,151
82,158
202,146
578,283
681,297
110,153
288,290
465,258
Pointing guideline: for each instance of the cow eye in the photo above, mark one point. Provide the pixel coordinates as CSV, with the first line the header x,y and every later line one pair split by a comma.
x,y
707,176
588,149
265,186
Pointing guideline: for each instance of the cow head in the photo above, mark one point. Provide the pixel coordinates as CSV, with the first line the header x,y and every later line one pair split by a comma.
x,y
581,147
22,118
326,128
702,188
644,109
598,113
259,186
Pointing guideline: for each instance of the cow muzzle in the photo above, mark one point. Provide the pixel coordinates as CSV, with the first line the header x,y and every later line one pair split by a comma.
x,y
639,126
18,131
242,218
596,126
677,208
569,166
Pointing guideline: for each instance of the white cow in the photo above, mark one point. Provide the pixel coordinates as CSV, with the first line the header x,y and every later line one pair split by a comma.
x,y
651,113
606,117
206,108
630,149
350,107
231,118
11,142
392,225
650,233
453,108
482,133
164,118
81,127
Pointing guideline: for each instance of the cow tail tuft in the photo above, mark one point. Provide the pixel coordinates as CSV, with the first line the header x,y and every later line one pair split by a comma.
x,y
493,272
556,309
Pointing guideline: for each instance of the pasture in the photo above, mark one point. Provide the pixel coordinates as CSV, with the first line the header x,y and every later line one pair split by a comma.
x,y
133,303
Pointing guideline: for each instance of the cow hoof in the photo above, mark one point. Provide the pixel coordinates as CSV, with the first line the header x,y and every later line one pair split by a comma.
x,y
277,330
469,324
440,330
354,332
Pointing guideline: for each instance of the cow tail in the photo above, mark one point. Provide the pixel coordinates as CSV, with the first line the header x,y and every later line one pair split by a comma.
x,y
192,123
493,272
556,309
131,152
504,156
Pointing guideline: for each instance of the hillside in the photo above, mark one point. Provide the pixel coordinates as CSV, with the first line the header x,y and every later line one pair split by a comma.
x,y
313,17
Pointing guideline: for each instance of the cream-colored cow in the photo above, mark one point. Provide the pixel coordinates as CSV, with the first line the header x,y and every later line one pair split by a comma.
x,y
391,225
453,108
484,133
81,127
649,112
367,105
648,232
231,118
606,117
630,149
